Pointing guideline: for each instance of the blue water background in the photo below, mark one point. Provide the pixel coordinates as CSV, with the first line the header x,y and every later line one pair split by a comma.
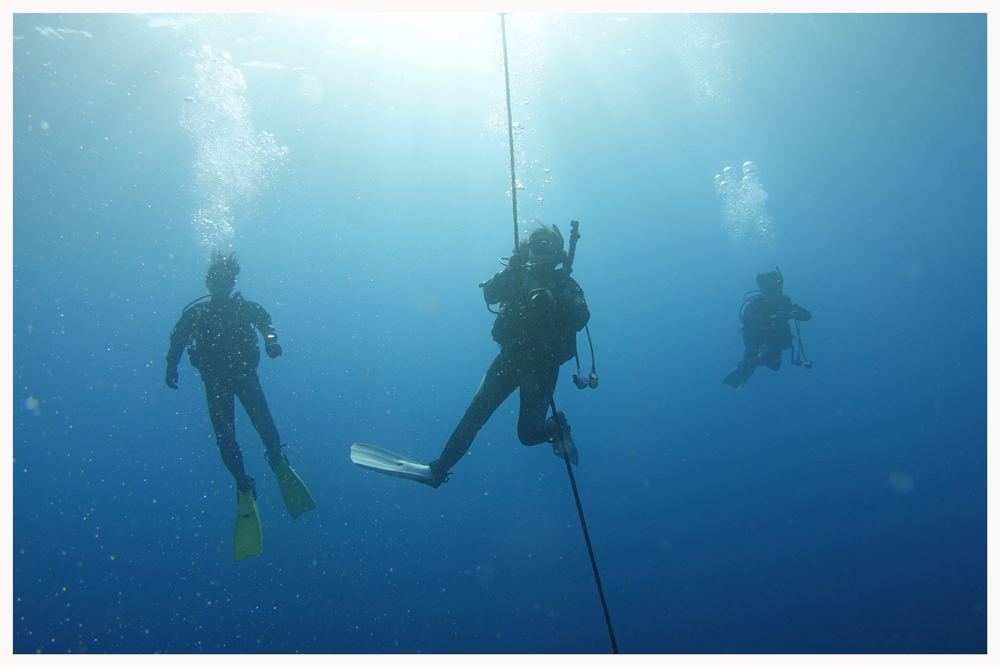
x,y
836,509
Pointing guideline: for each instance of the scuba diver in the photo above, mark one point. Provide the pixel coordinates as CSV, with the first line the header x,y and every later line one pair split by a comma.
x,y
541,310
222,344
765,329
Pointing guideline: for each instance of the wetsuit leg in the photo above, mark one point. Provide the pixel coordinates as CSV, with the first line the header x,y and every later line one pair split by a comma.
x,y
771,357
537,384
219,393
751,354
251,395
499,382
779,340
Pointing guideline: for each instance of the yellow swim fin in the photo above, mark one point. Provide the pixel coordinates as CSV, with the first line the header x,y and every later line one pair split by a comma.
x,y
247,534
294,493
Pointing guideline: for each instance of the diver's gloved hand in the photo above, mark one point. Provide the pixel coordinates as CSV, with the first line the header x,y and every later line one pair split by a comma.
x,y
515,262
541,298
273,350
171,377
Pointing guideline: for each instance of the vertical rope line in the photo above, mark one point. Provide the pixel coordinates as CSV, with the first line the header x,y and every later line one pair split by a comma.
x,y
569,469
510,127
583,523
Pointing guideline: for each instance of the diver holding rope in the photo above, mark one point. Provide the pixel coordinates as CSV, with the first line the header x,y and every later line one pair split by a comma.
x,y
541,310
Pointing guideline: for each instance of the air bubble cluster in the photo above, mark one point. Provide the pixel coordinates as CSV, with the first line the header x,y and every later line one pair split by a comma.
x,y
232,162
743,206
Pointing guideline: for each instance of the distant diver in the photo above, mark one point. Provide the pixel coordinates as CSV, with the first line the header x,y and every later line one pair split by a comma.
x,y
766,332
541,310
222,344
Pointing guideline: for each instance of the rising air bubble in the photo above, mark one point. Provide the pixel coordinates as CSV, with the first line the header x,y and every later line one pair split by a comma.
x,y
232,162
743,206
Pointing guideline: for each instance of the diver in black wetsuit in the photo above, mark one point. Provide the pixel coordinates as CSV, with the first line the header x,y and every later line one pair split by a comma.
x,y
766,332
222,344
541,310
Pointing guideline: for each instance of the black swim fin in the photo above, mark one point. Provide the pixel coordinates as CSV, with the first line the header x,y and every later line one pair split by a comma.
x,y
570,448
739,375
565,447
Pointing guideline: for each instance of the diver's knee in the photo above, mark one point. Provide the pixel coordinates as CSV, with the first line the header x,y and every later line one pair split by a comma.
x,y
530,436
226,442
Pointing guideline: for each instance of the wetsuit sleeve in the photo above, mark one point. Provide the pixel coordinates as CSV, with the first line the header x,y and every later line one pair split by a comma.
x,y
800,313
256,315
181,336
790,310
501,287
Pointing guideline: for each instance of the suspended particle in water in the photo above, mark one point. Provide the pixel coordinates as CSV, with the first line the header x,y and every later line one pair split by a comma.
x,y
901,482
33,404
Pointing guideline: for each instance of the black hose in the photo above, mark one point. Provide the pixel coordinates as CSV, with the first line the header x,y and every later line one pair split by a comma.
x,y
802,350
200,298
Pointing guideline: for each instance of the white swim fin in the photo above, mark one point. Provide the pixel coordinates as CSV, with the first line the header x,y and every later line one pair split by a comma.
x,y
389,463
